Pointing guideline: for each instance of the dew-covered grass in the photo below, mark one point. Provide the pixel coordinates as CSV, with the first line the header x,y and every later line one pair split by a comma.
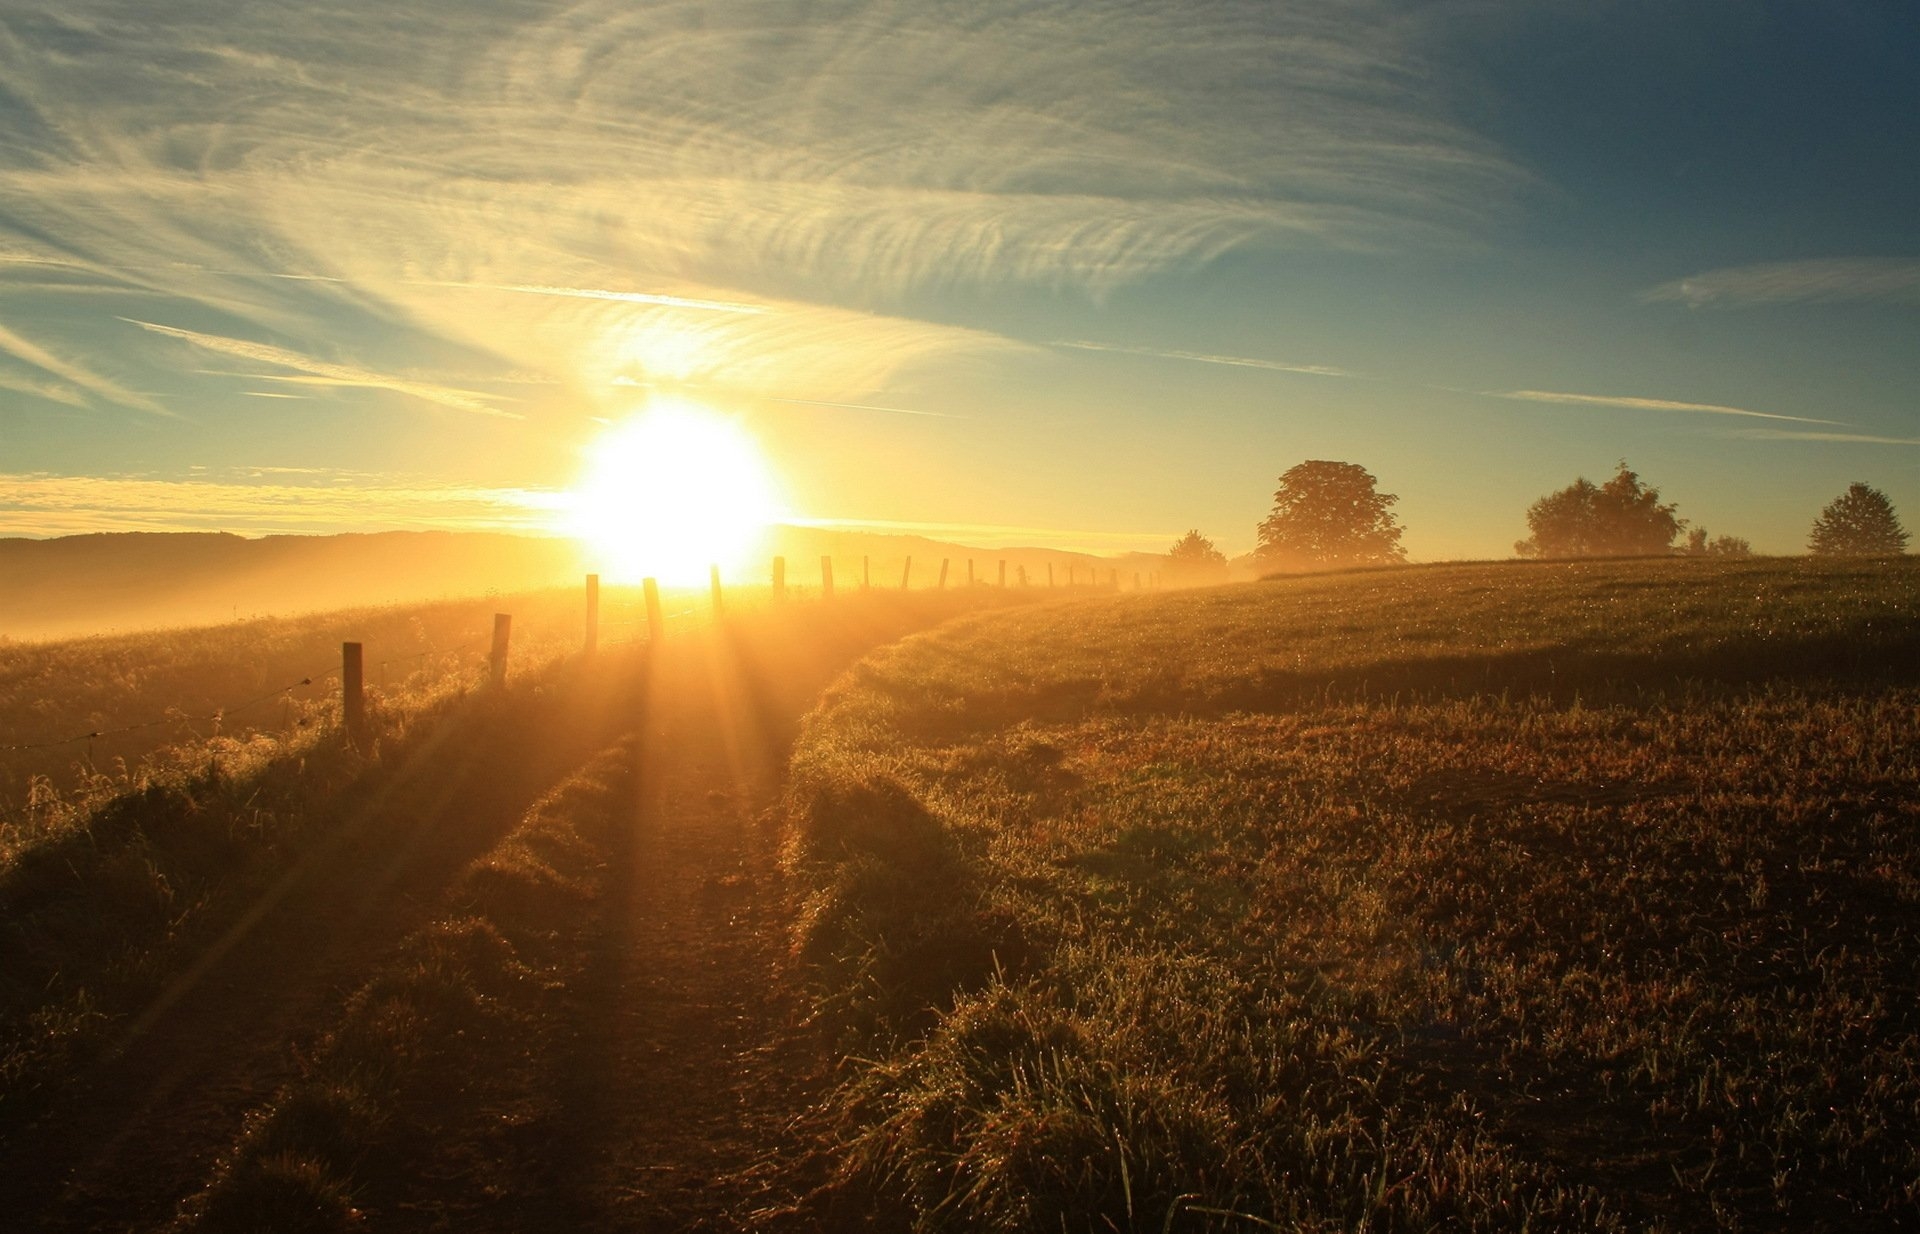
x,y
1549,896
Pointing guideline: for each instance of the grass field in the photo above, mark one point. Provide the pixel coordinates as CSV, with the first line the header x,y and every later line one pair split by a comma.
x,y
266,679
1556,896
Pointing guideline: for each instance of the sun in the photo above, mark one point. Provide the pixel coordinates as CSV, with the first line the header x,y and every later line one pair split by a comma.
x,y
672,491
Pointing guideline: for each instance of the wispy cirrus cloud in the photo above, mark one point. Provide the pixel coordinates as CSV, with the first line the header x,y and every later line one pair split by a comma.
x,y
73,373
1629,403
292,167
323,373
1201,357
1886,279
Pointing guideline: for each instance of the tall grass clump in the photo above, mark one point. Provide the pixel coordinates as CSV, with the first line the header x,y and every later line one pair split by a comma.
x,y
1484,897
430,1050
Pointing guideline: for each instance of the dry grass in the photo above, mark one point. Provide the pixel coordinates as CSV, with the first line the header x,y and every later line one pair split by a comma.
x,y
427,1051
1549,896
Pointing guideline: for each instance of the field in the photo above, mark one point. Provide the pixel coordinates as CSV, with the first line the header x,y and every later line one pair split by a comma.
x,y
1502,897
1498,897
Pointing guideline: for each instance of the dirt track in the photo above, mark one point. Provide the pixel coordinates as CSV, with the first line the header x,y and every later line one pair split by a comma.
x,y
678,1073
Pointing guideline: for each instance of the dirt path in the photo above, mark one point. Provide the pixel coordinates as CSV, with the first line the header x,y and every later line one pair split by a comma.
x,y
687,1080
709,1070
142,1127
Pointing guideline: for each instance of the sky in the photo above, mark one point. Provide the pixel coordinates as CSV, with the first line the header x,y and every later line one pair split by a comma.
x,y
1083,273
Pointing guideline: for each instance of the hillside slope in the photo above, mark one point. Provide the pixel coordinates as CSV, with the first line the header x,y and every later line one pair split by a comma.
x,y
1564,896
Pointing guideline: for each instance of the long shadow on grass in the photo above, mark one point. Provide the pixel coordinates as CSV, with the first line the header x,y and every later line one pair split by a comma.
x,y
115,1139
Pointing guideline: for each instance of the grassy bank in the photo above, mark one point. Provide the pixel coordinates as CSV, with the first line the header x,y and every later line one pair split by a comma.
x,y
431,1050
1549,896
101,917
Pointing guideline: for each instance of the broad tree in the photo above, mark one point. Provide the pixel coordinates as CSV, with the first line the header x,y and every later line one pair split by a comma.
x,y
1858,523
1621,518
1194,559
1330,514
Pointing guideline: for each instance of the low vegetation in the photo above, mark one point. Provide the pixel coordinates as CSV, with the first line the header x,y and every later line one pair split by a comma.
x,y
430,1049
213,686
1551,896
98,916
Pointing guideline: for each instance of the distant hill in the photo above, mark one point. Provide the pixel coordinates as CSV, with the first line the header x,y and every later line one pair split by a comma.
x,y
77,585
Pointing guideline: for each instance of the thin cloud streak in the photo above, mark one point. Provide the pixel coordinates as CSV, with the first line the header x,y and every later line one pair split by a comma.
x,y
1887,279
1763,434
38,504
593,293
1644,404
1199,357
898,411
39,357
320,372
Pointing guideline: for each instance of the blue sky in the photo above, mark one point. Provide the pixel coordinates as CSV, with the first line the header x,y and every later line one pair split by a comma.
x,y
1077,273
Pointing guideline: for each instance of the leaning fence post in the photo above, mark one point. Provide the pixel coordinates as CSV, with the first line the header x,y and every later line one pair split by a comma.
x,y
593,613
943,573
969,572
1023,576
826,578
713,578
1049,574
656,624
497,658
906,572
353,701
779,578
1003,572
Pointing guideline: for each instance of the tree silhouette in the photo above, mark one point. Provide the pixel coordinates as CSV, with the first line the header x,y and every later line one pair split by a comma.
x,y
1194,559
1858,523
1720,546
1621,518
1328,513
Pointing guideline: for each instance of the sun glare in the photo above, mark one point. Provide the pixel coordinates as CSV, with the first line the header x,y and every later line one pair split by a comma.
x,y
670,492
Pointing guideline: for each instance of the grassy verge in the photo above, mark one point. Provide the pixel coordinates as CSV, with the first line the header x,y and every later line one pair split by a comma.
x,y
430,1052
100,917
1557,896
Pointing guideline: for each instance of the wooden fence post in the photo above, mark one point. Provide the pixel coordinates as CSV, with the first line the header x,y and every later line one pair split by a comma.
x,y
969,572
656,624
826,578
593,613
866,573
1049,574
497,657
1023,576
1003,572
943,573
779,578
906,572
353,700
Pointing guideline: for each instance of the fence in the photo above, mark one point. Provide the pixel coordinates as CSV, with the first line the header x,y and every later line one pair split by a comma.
x,y
598,632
